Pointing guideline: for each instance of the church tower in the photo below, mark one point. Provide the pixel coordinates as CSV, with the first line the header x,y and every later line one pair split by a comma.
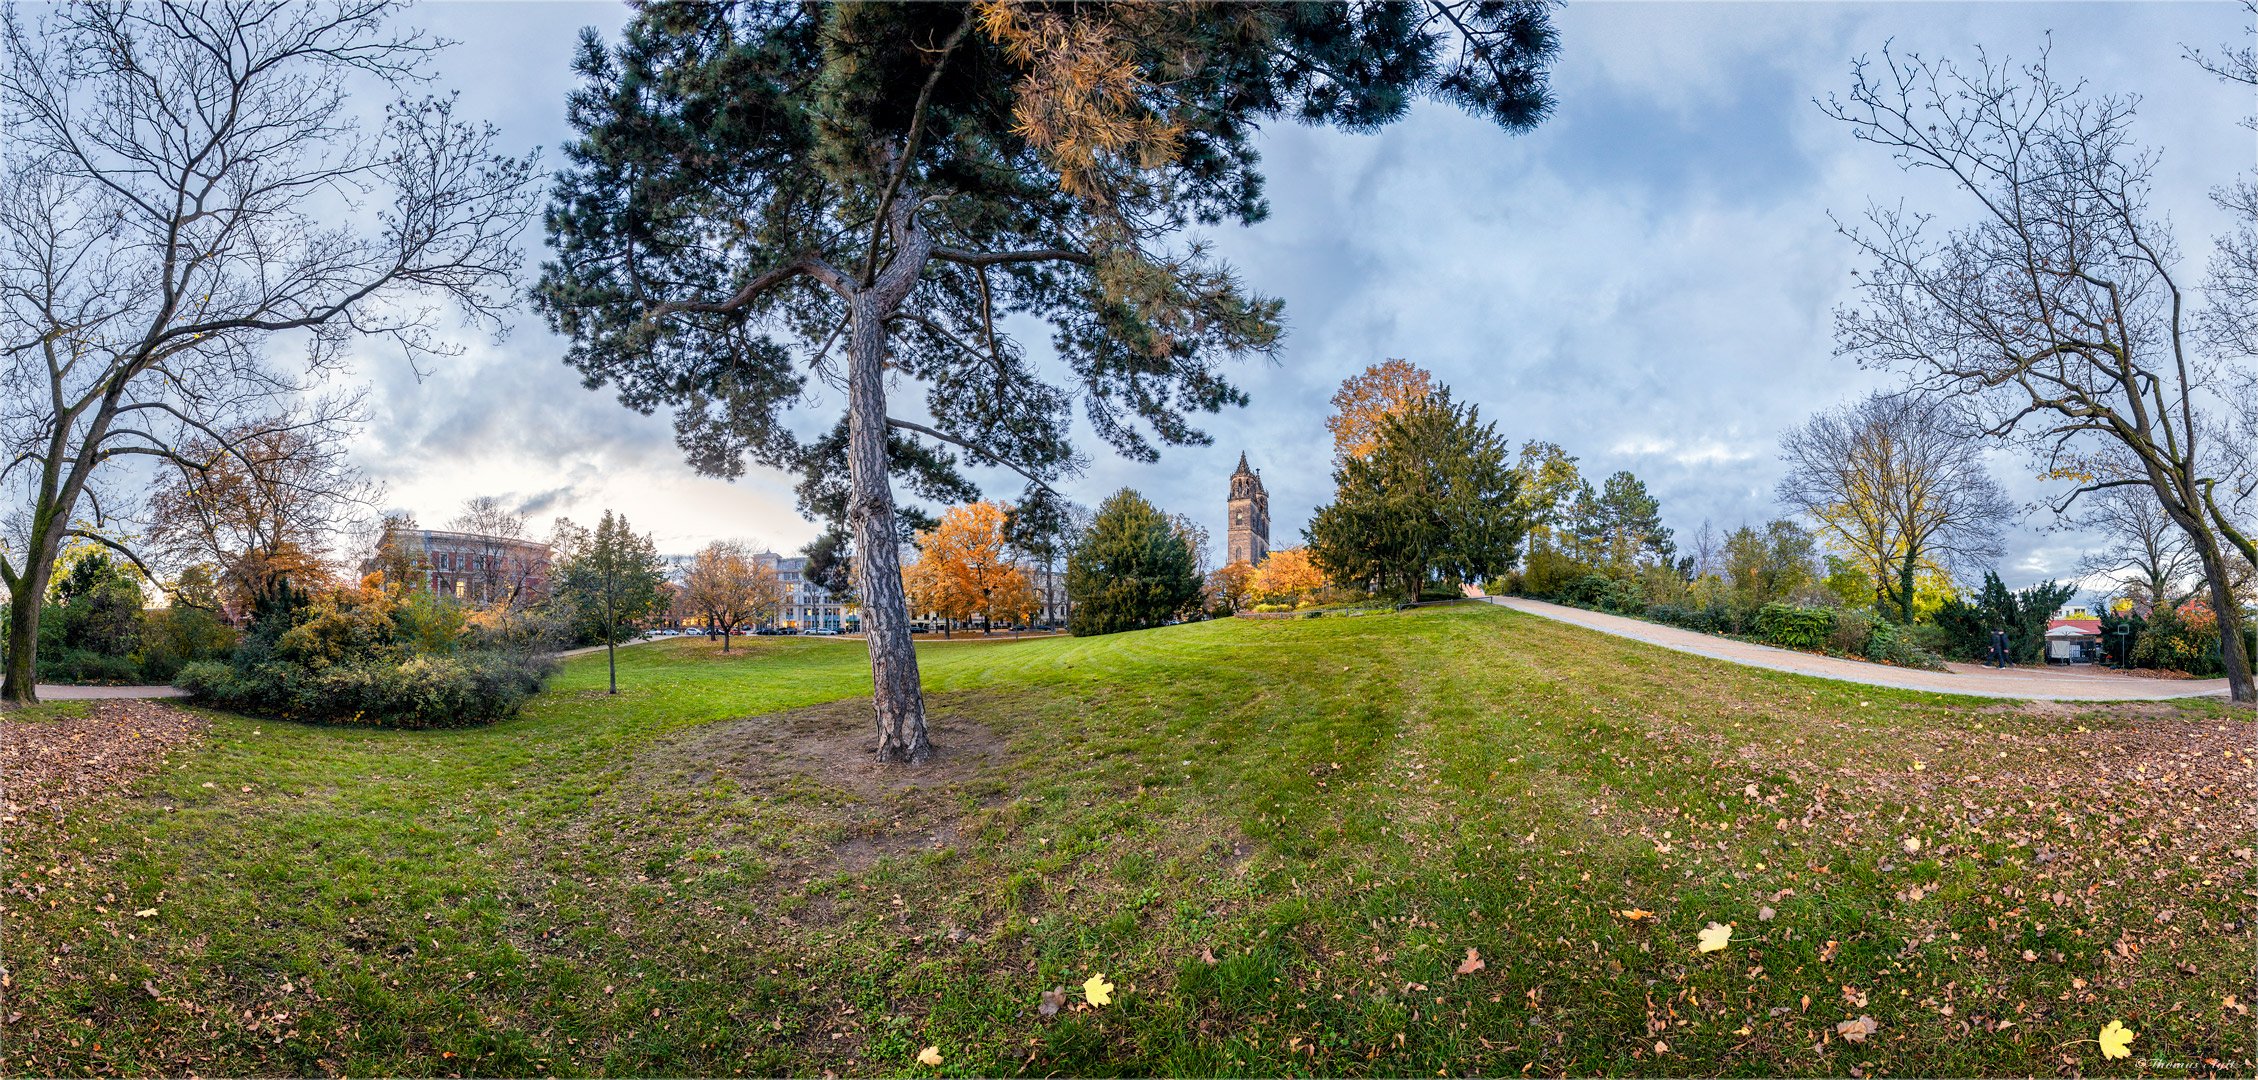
x,y
1249,538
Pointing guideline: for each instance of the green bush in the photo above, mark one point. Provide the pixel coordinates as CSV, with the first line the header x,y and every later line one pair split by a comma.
x,y
1707,620
463,690
1795,627
1853,632
1889,643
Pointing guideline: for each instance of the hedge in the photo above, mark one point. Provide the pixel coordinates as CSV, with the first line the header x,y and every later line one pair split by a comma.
x,y
1795,627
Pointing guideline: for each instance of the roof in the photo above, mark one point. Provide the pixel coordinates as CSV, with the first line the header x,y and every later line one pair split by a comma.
x,y
2073,626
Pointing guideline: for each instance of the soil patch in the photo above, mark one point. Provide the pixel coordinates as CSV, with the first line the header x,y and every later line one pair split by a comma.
x,y
48,766
825,757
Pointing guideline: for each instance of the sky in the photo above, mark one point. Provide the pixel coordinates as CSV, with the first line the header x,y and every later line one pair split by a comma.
x,y
1648,279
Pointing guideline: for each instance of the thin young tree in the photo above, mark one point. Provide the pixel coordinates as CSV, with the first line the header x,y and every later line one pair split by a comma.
x,y
2060,317
1897,489
184,187
607,578
757,184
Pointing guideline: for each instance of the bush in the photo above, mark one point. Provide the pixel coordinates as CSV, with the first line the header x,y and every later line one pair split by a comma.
x,y
1889,643
1853,632
1795,627
1703,619
463,690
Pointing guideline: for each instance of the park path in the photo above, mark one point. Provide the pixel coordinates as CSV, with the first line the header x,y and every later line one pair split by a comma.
x,y
2043,684
106,693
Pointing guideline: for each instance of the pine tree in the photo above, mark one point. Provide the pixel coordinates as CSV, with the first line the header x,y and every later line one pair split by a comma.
x,y
756,184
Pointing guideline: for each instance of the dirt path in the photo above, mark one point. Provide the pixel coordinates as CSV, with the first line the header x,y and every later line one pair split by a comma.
x,y
2043,684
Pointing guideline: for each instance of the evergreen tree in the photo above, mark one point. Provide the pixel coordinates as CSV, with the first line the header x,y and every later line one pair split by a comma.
x,y
754,184
1619,528
1434,502
1130,571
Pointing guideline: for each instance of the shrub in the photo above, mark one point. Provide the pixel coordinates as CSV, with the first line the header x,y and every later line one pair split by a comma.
x,y
463,690
1889,643
1794,627
1703,619
1853,631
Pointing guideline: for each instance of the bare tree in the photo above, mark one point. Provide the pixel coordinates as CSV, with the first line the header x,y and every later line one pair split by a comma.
x,y
2056,317
1703,551
263,503
504,564
2141,547
1896,489
185,186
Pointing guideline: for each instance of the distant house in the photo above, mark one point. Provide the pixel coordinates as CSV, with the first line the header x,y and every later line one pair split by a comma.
x,y
2075,639
469,567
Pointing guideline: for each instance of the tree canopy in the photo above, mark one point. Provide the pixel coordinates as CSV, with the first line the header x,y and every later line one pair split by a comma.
x,y
755,184
1131,569
1434,502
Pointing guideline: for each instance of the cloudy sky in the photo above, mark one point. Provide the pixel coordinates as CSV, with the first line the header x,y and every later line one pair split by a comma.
x,y
1648,279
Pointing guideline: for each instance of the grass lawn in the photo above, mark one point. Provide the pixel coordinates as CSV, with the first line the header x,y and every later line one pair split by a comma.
x,y
1278,839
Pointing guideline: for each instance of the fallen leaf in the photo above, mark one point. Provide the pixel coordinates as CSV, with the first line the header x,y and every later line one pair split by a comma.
x,y
1472,963
1749,791
145,913
1857,1030
1912,844
1635,914
931,1055
1207,956
1054,999
1714,936
1765,914
2116,1040
1097,990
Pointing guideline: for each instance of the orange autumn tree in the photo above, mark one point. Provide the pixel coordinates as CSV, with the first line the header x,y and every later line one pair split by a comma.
x,y
1363,401
964,569
1287,577
1230,586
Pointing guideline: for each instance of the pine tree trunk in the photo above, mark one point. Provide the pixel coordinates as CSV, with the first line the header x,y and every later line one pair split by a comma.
x,y
878,565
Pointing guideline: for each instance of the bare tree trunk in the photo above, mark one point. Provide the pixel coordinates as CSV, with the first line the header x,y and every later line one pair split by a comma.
x,y
20,686
878,562
2232,657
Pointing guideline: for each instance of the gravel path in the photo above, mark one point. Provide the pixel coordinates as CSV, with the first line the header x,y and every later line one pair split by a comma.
x,y
2043,684
106,693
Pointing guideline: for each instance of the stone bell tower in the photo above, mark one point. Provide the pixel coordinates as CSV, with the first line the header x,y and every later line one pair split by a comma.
x,y
1249,538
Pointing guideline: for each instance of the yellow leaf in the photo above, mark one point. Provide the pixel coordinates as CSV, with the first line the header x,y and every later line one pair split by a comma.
x,y
145,913
2116,1040
1635,914
1097,990
1714,936
1912,844
1919,767
931,1055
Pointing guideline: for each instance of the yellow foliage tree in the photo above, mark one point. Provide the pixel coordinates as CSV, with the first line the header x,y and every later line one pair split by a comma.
x,y
1230,586
1287,576
1363,401
964,570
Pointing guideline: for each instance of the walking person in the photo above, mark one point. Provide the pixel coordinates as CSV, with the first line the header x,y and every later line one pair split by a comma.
x,y
1999,648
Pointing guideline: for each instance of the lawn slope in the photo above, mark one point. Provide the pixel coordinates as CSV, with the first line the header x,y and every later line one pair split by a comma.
x,y
1278,839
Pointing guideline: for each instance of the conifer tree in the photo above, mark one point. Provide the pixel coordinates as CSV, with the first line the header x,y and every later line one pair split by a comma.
x,y
1131,570
858,194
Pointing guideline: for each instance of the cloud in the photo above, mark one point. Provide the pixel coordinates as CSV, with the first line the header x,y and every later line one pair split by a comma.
x,y
1648,279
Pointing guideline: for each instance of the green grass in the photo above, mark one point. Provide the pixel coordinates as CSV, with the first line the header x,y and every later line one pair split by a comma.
x,y
702,875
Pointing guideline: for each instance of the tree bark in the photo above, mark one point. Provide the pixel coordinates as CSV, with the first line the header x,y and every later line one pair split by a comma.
x,y
20,685
878,566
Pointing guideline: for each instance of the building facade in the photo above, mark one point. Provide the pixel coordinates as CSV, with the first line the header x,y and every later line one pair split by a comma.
x,y
807,606
1248,540
469,567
